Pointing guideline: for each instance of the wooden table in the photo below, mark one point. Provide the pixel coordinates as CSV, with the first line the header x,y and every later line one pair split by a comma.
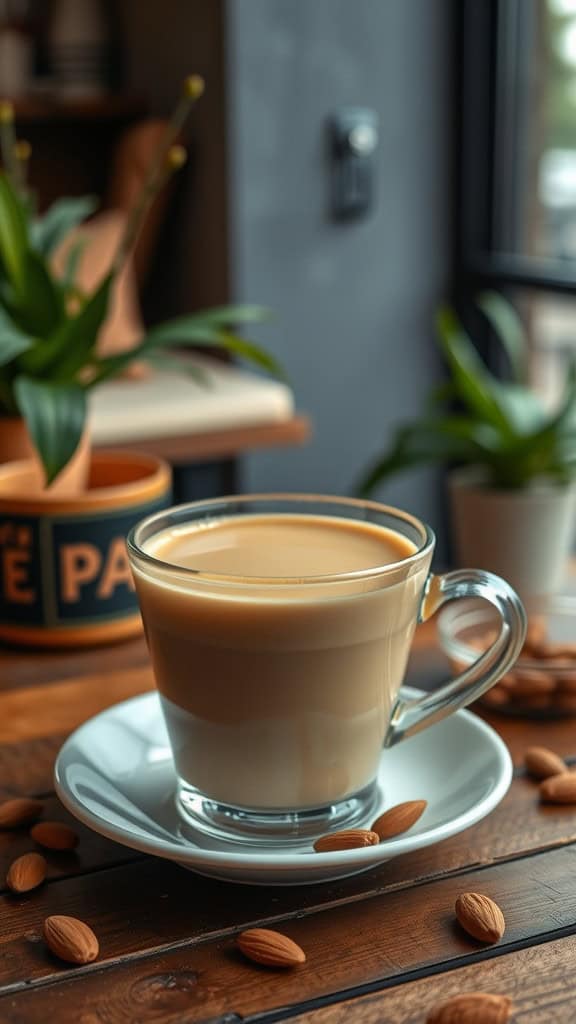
x,y
382,946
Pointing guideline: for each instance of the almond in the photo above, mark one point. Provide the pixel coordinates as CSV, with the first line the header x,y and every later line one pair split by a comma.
x,y
399,818
26,872
542,763
19,811
70,939
472,1008
566,682
270,948
348,839
480,917
54,835
533,683
565,702
537,702
496,697
552,652
559,789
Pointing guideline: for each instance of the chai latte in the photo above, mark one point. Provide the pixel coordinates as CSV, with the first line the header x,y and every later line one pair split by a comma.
x,y
276,688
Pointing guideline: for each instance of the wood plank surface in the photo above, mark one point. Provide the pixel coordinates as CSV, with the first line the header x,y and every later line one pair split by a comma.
x,y
38,711
350,947
539,980
167,935
20,667
93,852
27,769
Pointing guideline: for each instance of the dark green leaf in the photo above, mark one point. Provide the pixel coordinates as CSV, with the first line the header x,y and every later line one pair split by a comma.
x,y
189,331
13,342
69,349
183,364
39,304
229,316
13,235
475,384
523,409
55,415
421,442
71,263
65,214
251,352
509,329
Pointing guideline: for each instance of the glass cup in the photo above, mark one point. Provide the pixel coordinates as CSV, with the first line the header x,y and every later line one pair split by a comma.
x,y
280,693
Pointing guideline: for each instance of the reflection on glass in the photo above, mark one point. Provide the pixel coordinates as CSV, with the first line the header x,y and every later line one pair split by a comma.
x,y
536,134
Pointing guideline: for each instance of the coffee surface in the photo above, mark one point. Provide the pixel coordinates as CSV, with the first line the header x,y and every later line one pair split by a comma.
x,y
281,545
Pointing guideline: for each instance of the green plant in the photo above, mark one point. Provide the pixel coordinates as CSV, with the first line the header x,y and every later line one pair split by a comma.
x,y
49,328
475,418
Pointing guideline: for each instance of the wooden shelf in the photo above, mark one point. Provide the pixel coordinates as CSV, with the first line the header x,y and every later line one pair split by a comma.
x,y
109,107
222,444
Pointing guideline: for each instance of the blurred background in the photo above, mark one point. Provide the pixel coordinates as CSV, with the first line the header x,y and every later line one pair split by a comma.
x,y
351,165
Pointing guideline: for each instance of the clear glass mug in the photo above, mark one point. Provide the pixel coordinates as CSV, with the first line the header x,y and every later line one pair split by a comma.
x,y
280,693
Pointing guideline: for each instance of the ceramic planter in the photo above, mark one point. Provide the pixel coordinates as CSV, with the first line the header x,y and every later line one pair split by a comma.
x,y
523,535
65,579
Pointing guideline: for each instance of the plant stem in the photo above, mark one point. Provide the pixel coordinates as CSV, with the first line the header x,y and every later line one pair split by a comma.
x,y
22,153
8,143
156,176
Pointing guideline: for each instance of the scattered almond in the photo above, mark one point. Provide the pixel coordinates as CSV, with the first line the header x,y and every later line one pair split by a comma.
x,y
536,702
348,839
533,683
542,763
565,702
472,1008
19,811
70,939
535,634
553,652
480,917
54,835
496,697
559,789
270,948
399,818
566,683
26,872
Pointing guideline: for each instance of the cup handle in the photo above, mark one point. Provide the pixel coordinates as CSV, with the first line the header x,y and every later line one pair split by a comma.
x,y
410,716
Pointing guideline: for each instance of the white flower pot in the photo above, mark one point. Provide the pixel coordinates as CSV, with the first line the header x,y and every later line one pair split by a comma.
x,y
525,536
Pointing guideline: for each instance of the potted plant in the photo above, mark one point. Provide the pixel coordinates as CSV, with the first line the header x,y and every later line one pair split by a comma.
x,y
512,461
65,578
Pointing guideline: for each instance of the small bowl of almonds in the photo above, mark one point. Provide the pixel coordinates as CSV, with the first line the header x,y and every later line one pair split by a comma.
x,y
542,683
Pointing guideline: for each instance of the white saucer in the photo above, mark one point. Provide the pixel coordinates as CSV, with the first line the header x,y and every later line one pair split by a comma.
x,y
116,774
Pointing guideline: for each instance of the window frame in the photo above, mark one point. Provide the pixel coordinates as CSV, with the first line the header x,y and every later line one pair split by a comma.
x,y
483,69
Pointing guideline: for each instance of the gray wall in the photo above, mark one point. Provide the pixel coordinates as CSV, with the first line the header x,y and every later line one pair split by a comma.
x,y
353,302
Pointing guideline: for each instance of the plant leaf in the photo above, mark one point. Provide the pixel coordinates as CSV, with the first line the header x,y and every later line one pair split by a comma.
x,y
509,329
184,364
251,352
59,220
69,349
39,305
420,442
522,407
55,415
475,384
13,342
13,234
229,316
71,263
192,331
